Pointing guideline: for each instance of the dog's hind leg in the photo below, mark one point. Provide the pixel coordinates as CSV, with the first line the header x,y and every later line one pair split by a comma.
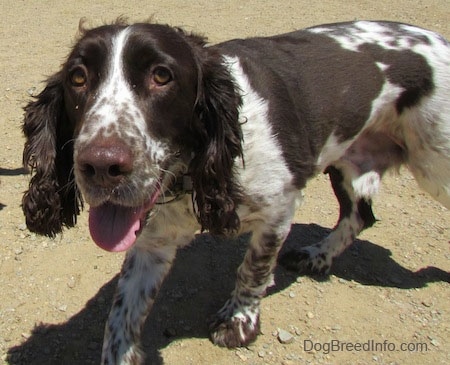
x,y
355,179
355,215
429,160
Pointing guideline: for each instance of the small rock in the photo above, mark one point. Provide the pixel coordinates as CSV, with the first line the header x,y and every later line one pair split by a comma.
x,y
71,283
62,308
285,337
434,342
310,315
32,91
241,356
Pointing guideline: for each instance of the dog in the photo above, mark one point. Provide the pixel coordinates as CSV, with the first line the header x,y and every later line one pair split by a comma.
x,y
225,137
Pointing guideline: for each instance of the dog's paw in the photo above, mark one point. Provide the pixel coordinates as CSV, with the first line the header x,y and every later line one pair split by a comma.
x,y
235,327
307,260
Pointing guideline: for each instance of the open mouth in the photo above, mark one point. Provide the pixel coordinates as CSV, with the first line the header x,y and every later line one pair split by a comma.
x,y
115,227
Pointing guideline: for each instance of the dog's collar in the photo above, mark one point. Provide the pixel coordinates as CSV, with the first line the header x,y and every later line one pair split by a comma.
x,y
183,184
181,187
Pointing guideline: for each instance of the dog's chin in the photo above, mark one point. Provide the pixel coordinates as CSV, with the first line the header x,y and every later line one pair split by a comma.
x,y
115,227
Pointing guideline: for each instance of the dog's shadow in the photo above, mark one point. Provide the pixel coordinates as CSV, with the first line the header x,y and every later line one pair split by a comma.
x,y
11,172
201,280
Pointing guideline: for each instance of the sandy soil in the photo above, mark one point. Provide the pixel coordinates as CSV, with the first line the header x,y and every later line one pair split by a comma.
x,y
391,288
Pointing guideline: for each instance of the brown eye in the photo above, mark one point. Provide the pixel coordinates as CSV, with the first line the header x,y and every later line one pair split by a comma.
x,y
78,77
161,76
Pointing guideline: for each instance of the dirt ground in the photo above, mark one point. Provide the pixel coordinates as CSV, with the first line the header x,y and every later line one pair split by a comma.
x,y
389,292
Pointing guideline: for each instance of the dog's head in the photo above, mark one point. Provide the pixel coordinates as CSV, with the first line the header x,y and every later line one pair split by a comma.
x,y
133,108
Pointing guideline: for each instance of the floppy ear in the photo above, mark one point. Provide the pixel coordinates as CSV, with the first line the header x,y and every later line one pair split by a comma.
x,y
217,192
52,200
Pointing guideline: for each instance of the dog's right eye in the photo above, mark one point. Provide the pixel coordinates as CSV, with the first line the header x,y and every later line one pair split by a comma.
x,y
161,76
78,77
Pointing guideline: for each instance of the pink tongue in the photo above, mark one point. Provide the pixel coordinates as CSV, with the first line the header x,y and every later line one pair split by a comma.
x,y
114,227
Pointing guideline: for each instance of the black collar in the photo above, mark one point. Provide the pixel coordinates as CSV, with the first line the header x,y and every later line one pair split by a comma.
x,y
181,187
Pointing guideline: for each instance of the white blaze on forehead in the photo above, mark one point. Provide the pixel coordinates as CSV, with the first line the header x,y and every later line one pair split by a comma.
x,y
116,85
114,95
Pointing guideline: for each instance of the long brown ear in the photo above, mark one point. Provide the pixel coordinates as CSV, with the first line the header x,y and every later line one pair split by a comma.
x,y
217,192
52,200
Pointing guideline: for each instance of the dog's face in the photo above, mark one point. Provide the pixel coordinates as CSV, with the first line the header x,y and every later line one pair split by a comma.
x,y
130,94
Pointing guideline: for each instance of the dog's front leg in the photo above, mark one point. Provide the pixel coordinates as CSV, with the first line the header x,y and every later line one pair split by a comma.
x,y
142,274
237,323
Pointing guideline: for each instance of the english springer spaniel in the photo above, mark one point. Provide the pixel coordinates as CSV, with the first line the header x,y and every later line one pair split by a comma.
x,y
227,136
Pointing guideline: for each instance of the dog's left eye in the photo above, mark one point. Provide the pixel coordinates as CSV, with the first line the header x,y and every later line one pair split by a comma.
x,y
161,76
78,77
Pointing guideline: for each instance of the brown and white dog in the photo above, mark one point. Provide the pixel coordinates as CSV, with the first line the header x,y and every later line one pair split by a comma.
x,y
136,109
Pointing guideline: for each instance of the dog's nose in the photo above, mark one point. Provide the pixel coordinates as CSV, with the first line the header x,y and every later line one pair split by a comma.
x,y
105,163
